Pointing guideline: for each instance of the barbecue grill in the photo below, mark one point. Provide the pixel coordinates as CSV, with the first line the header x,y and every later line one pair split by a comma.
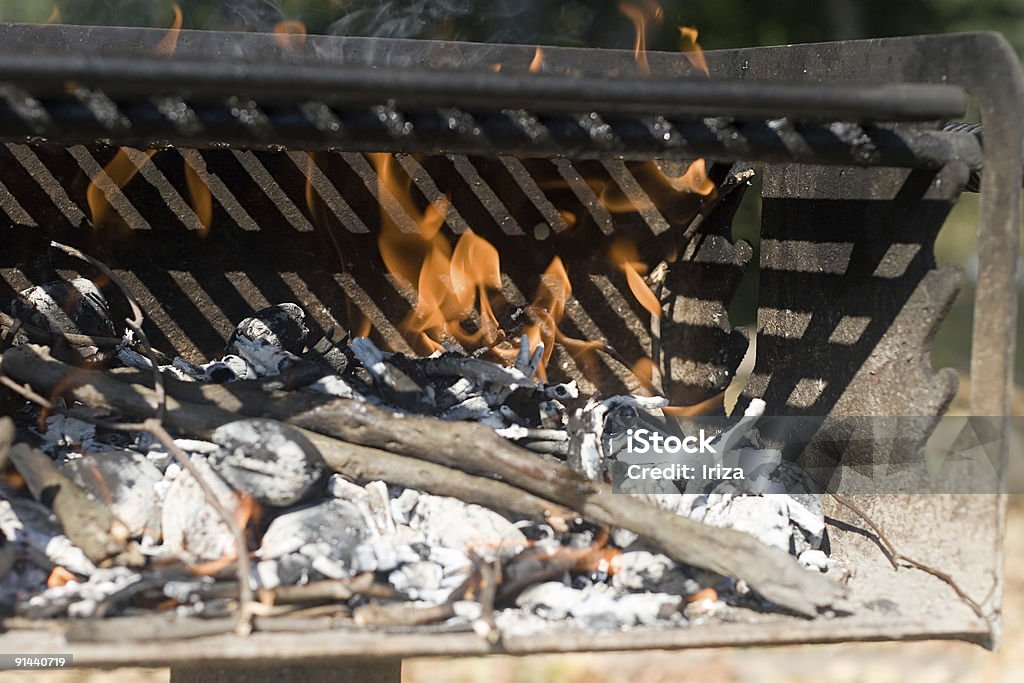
x,y
860,170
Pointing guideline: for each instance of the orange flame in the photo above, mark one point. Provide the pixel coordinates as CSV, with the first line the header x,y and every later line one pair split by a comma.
x,y
120,170
647,372
624,255
60,577
641,17
54,17
202,199
246,511
169,43
538,61
290,34
695,180
452,286
691,48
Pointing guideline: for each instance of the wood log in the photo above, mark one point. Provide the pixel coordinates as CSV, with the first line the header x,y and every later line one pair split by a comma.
x,y
475,449
88,524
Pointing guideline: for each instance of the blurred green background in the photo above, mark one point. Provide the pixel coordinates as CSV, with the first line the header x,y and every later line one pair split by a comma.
x,y
723,23
601,23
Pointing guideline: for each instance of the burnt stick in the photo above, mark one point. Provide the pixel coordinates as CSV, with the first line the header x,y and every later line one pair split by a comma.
x,y
89,524
352,460
475,448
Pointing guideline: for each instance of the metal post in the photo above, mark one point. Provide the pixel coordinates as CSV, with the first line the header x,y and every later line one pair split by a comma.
x,y
344,671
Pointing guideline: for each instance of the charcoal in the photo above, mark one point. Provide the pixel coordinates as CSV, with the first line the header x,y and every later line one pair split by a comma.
x,y
80,599
282,326
338,523
64,432
192,527
814,559
268,460
75,307
264,359
403,505
332,385
230,368
586,452
288,570
393,381
806,513
8,555
598,606
125,481
451,523
643,570
764,517
36,534
419,580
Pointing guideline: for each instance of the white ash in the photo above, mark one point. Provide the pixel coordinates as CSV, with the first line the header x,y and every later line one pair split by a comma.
x,y
338,523
418,580
332,385
270,461
644,570
36,534
73,307
766,518
403,505
452,523
292,569
192,527
126,482
815,559
599,606
282,326
81,599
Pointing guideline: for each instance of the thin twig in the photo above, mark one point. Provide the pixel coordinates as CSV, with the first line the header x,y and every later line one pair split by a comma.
x,y
39,333
895,556
245,594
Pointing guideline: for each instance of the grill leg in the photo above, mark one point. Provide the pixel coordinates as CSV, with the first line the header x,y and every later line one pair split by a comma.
x,y
351,671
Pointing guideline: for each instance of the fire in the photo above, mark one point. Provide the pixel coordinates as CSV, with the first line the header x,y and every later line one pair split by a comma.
x,y
202,198
452,286
247,510
169,43
120,170
60,577
624,256
54,17
691,48
547,311
641,17
290,34
695,180
647,372
538,61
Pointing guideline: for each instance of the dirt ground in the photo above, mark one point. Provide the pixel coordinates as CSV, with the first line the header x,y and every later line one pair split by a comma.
x,y
927,662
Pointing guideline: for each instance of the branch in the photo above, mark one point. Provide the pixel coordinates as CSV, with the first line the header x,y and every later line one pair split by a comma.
x,y
475,450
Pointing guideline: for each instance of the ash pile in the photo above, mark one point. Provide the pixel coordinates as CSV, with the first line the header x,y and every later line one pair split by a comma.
x,y
369,489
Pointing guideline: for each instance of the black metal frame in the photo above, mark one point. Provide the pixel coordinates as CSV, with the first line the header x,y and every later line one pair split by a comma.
x,y
982,65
